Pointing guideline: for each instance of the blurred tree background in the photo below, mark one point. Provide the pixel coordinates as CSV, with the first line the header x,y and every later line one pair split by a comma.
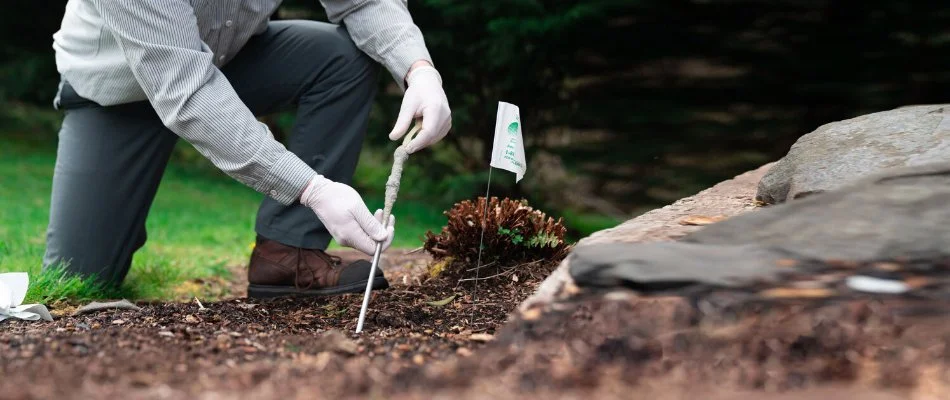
x,y
626,105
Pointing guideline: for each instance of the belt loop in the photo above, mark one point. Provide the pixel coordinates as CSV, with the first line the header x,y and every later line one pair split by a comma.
x,y
59,93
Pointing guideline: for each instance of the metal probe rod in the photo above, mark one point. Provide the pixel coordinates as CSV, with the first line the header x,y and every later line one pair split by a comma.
x,y
369,287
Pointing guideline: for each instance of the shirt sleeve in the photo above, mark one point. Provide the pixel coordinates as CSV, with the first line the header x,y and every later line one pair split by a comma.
x,y
162,44
384,30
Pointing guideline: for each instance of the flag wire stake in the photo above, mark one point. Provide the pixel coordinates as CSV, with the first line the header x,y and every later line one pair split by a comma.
x,y
478,264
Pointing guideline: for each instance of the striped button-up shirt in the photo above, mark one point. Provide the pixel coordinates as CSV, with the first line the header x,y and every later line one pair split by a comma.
x,y
169,53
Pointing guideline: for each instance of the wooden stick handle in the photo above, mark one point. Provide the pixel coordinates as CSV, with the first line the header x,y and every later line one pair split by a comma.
x,y
399,158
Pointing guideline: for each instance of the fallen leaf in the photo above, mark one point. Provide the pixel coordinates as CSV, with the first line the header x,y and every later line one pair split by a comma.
x,y
839,263
531,314
442,302
701,219
917,282
481,337
337,341
109,305
323,359
568,289
786,262
777,293
887,266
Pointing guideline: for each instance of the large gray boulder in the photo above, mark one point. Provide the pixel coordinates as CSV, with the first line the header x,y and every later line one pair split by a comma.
x,y
900,213
661,266
837,153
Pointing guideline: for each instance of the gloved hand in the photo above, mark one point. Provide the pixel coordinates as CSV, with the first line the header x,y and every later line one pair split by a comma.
x,y
345,215
424,97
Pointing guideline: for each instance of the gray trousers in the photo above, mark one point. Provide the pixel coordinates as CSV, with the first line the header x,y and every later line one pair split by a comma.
x,y
110,160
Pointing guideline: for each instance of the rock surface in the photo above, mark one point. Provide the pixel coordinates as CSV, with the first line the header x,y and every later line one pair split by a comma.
x,y
838,153
725,199
901,212
648,267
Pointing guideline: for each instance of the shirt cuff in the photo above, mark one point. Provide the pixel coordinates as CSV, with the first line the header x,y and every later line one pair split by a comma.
x,y
287,178
399,59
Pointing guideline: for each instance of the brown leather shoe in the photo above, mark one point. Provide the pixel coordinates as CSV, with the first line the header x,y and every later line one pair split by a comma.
x,y
277,270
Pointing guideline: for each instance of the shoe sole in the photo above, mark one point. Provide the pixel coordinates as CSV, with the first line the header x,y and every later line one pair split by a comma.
x,y
267,291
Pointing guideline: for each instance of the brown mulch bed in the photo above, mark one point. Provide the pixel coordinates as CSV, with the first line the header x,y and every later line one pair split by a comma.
x,y
259,348
710,343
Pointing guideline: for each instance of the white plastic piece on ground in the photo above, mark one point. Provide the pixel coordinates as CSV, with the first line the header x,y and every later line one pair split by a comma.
x,y
13,288
876,285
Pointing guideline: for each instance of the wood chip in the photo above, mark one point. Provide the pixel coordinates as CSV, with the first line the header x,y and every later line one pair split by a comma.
x,y
481,337
463,351
418,359
700,220
191,319
166,333
776,293
118,322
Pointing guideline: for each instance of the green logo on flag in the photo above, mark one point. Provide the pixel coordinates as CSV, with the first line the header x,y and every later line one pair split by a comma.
x,y
513,128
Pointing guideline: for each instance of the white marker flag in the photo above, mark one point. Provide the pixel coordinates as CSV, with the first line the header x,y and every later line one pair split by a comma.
x,y
508,150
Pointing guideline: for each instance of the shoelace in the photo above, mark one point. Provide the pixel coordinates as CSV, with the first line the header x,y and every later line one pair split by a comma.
x,y
333,261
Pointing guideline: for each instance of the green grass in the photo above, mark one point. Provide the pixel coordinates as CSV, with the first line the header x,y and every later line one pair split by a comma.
x,y
200,226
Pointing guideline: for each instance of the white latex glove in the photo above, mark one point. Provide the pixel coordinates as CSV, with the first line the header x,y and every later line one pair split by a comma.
x,y
345,215
424,98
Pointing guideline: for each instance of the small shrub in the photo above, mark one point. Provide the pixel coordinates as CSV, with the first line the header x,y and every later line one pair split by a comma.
x,y
514,234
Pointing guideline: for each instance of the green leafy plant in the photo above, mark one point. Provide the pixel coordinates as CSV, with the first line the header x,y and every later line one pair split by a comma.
x,y
509,234
516,238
